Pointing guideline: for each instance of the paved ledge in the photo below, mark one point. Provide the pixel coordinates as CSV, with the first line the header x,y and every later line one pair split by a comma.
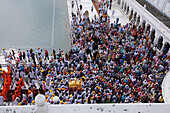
x,y
89,108
166,88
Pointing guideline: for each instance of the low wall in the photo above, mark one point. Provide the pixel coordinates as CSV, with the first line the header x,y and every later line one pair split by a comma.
x,y
18,109
111,108
90,108
166,88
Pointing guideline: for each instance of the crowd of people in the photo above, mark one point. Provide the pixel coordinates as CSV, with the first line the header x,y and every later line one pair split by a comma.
x,y
115,64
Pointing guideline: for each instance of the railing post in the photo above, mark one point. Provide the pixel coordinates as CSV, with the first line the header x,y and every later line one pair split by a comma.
x,y
41,106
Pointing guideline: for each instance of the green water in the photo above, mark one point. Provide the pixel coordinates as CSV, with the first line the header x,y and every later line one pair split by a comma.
x,y
34,23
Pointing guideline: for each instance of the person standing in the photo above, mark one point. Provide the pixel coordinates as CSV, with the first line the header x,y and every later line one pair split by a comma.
x,y
10,56
113,12
54,54
72,3
42,54
24,56
46,54
117,20
28,55
91,8
81,7
20,54
5,54
110,4
13,54
33,58
1,100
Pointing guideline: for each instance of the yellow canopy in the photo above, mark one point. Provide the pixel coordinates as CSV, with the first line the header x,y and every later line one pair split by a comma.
x,y
75,83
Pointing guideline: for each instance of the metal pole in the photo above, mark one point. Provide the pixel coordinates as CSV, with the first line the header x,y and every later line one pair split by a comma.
x,y
77,7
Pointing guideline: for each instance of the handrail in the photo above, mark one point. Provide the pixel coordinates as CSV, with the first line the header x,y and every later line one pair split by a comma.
x,y
165,89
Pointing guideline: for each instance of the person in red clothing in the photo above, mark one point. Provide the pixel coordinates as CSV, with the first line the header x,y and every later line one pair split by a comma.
x,y
46,54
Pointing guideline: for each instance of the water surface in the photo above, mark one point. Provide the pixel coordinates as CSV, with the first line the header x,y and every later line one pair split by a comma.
x,y
34,23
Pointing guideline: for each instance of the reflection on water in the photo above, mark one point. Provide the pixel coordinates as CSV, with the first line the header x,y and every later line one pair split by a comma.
x,y
28,24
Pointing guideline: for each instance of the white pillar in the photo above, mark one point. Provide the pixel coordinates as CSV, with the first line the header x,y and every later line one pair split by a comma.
x,y
156,37
137,15
136,18
56,99
133,15
121,4
126,9
141,20
42,107
150,31
146,24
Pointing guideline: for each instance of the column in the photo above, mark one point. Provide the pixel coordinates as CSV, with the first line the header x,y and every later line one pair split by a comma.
x,y
151,28
133,15
156,37
136,19
42,107
145,27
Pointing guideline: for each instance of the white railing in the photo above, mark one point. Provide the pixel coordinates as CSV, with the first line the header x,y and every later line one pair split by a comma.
x,y
166,88
90,108
43,107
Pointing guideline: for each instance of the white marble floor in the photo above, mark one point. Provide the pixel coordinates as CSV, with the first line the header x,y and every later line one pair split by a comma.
x,y
87,4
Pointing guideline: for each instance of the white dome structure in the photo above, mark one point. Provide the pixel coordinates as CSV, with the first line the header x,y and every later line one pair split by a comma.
x,y
40,100
56,99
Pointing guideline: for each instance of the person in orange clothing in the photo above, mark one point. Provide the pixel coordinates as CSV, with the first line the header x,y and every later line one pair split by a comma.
x,y
21,83
4,95
13,97
9,79
30,93
9,69
17,93
9,75
5,88
6,85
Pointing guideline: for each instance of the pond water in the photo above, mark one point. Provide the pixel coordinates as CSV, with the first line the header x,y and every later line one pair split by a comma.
x,y
34,23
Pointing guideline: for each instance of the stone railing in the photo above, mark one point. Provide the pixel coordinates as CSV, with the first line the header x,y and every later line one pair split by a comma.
x,y
166,88
42,107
